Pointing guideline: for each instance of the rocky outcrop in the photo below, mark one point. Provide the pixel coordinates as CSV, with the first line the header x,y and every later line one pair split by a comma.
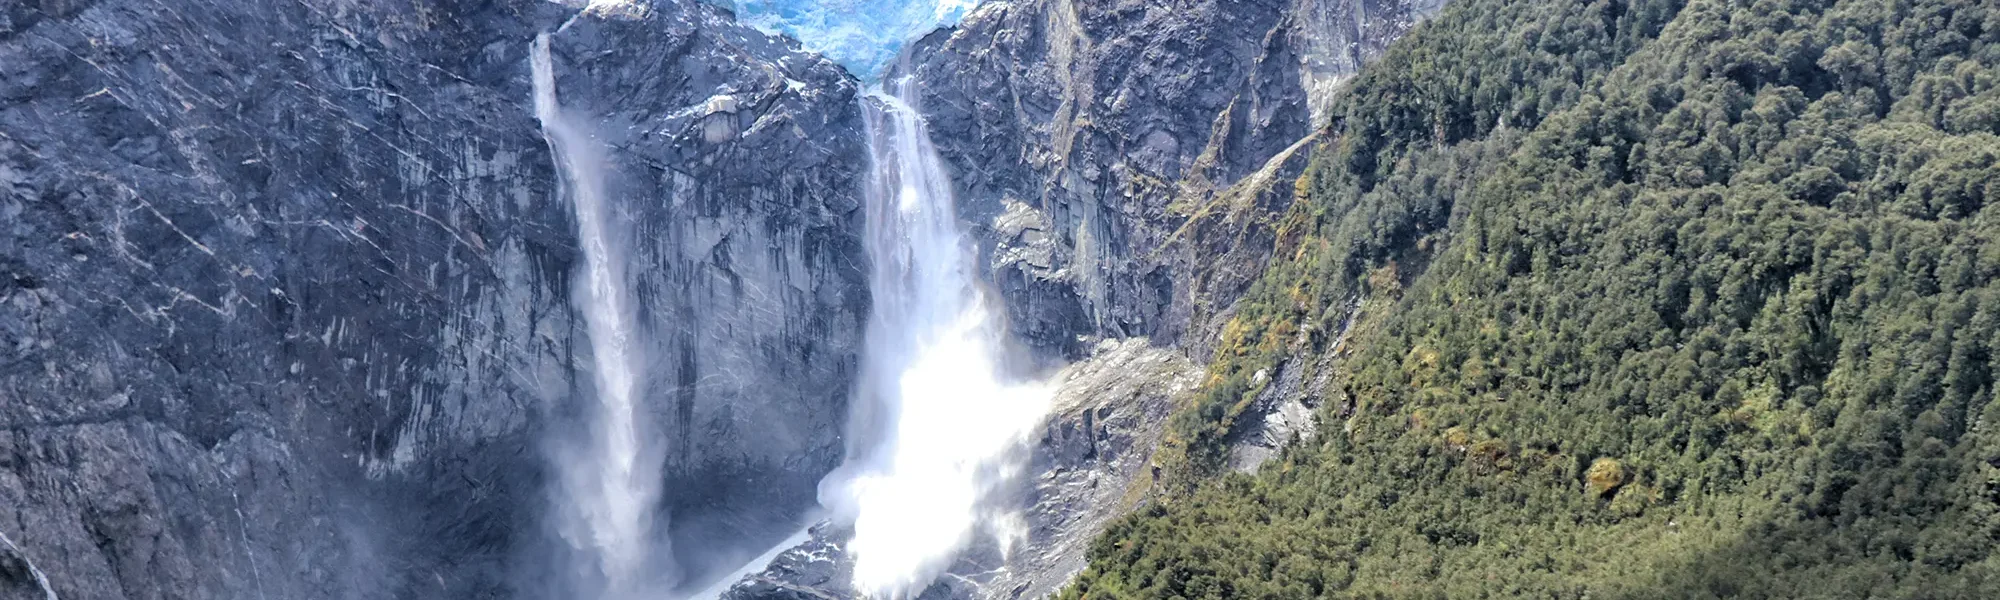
x,y
1286,412
1125,159
1092,465
284,286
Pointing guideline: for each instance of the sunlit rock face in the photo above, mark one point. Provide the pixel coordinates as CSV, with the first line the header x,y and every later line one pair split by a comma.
x,y
1126,159
285,287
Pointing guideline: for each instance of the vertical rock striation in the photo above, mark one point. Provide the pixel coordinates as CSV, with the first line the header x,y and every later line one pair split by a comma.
x,y
748,260
1127,158
284,286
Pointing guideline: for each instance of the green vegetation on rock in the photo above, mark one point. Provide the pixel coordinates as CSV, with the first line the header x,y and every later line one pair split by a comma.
x,y
1656,299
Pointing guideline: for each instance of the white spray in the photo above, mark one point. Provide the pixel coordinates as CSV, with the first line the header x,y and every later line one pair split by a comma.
x,y
942,427
609,482
42,581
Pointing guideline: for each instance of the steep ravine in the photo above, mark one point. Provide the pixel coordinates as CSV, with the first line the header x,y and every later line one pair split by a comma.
x,y
286,287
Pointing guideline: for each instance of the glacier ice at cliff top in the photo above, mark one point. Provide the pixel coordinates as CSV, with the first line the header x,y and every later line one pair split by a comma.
x,y
863,35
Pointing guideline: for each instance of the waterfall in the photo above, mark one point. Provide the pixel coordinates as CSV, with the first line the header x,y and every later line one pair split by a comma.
x,y
608,482
939,428
41,580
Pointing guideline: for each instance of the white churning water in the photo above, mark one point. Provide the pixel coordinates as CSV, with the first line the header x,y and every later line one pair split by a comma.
x,y
940,429
609,480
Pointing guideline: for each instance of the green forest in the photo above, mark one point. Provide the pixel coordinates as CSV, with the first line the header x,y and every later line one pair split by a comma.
x,y
1648,299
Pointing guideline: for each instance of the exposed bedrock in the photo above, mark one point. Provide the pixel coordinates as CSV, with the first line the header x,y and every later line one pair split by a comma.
x,y
285,287
1125,159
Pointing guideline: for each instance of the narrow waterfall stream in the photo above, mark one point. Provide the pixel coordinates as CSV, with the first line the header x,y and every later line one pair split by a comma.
x,y
608,480
940,426
35,574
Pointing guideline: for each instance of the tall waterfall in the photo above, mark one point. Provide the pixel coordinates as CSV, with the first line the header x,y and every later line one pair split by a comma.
x,y
608,482
939,426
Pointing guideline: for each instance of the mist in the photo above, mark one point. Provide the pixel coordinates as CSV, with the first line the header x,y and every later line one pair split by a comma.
x,y
607,481
941,422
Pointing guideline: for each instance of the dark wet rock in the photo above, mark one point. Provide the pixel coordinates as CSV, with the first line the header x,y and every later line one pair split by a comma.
x,y
816,569
284,286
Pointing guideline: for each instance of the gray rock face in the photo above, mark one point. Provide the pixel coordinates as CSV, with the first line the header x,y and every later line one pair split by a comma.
x,y
749,156
1126,157
284,286
1094,463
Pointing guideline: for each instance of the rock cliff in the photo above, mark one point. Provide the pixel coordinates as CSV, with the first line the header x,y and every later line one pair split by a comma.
x,y
286,286
1127,159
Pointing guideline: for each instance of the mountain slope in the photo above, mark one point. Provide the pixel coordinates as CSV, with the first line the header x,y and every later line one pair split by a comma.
x,y
1655,300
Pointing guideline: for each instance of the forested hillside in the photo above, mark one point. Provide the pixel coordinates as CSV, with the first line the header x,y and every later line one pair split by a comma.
x,y
1656,299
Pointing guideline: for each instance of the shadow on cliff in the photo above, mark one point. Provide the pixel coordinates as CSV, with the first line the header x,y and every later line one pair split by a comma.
x,y
467,527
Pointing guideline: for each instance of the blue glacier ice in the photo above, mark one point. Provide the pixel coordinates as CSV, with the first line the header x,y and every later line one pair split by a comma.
x,y
863,35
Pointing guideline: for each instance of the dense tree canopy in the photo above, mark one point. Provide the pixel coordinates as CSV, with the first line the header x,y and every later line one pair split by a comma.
x,y
1656,299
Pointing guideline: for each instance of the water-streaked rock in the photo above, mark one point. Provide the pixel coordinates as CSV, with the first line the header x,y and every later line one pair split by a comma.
x,y
1155,143
286,285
